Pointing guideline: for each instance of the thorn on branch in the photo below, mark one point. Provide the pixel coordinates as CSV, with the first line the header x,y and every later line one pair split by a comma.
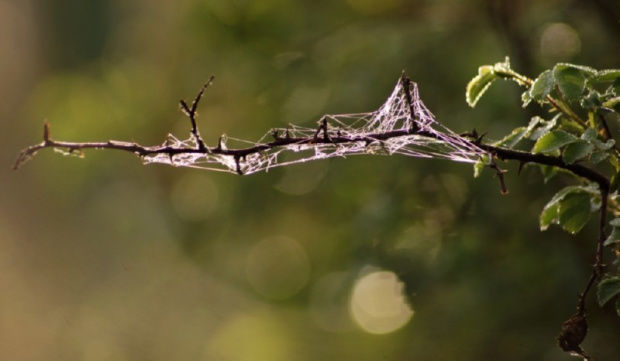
x,y
476,138
221,144
325,135
322,127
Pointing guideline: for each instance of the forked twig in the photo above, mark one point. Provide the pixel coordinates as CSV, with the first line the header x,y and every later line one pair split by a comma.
x,y
192,113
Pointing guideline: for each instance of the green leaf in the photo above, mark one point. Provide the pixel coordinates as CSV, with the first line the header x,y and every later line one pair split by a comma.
x,y
615,87
604,146
589,135
613,161
549,216
550,212
578,150
553,140
605,76
608,288
548,172
591,101
586,70
615,222
614,237
478,167
512,139
526,98
574,212
570,79
598,157
539,127
479,84
618,306
542,86
568,200
614,180
480,164
562,193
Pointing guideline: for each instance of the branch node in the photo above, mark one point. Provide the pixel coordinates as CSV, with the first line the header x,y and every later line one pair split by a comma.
x,y
288,132
221,146
193,114
238,164
500,176
322,127
325,134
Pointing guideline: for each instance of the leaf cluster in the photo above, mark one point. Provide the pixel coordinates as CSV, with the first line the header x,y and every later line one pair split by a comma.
x,y
579,127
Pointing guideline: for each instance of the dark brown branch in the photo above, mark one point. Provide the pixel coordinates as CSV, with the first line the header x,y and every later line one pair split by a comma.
x,y
240,153
500,176
575,328
407,84
525,157
598,258
192,113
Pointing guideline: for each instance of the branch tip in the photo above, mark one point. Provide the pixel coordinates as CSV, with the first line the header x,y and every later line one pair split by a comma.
x,y
200,93
46,131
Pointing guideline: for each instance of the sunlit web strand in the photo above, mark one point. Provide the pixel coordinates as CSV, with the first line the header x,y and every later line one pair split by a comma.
x,y
432,141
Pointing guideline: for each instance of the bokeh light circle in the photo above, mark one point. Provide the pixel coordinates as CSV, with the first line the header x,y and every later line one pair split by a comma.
x,y
559,42
377,303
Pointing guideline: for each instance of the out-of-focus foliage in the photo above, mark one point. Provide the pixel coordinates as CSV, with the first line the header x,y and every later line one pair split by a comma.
x,y
103,258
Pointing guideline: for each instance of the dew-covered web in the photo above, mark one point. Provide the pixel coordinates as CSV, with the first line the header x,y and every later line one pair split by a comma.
x,y
402,125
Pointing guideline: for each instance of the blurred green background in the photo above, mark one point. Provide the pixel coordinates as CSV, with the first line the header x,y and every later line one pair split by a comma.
x,y
105,259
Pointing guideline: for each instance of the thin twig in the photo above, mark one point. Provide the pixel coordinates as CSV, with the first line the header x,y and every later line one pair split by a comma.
x,y
607,132
193,114
407,86
500,176
598,258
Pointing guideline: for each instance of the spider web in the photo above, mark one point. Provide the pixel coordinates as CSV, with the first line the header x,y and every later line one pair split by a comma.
x,y
402,125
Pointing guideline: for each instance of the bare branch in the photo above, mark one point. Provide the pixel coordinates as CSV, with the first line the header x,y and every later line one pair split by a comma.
x,y
192,113
329,138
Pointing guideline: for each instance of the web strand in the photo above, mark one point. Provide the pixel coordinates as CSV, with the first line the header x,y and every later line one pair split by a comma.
x,y
402,125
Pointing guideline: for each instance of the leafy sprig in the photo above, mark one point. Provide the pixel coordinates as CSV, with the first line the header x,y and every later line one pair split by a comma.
x,y
583,107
